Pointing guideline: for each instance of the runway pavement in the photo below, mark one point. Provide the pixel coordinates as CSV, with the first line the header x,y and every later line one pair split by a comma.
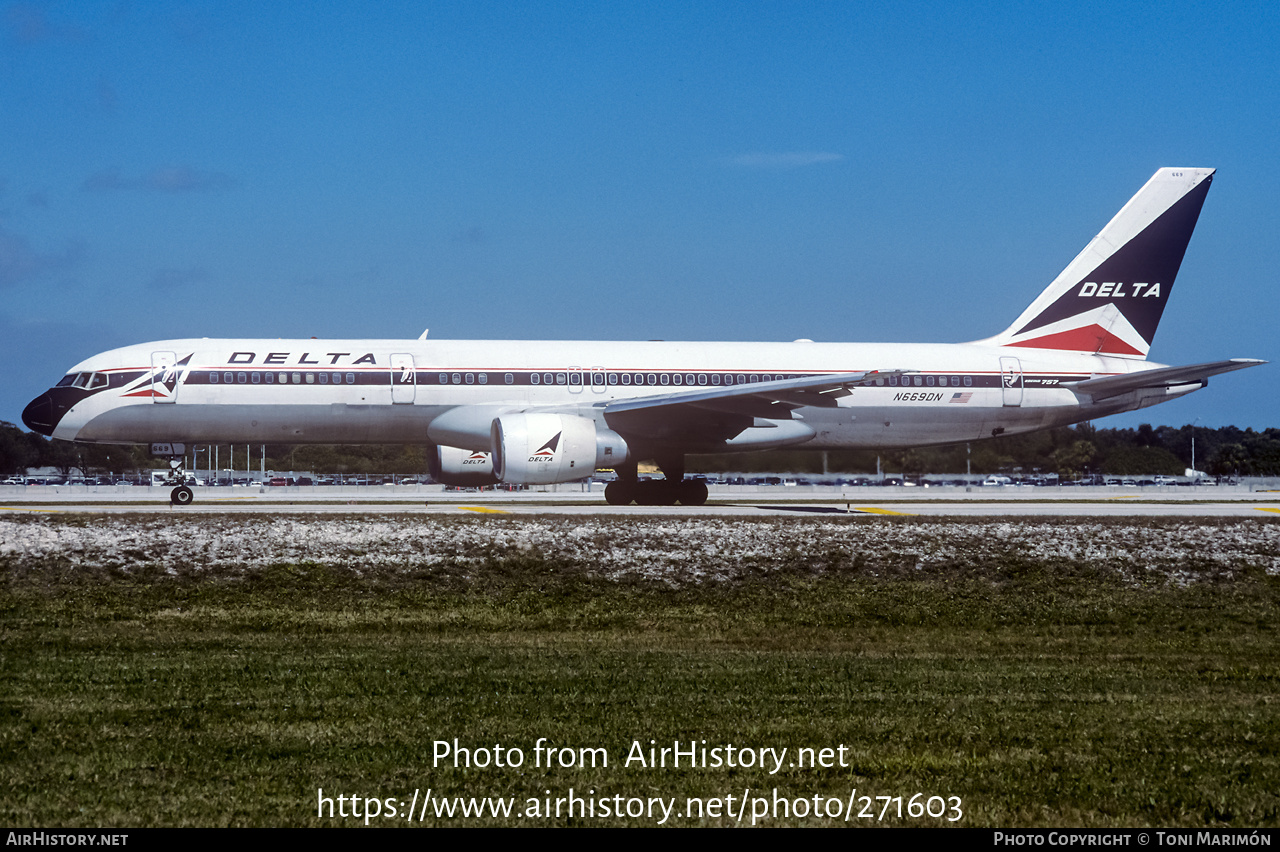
x,y
1206,501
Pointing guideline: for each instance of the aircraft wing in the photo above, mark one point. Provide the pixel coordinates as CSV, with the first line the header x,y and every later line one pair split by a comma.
x,y
710,415
779,396
1162,377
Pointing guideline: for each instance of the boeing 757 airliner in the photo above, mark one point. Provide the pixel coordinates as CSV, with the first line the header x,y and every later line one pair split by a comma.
x,y
538,412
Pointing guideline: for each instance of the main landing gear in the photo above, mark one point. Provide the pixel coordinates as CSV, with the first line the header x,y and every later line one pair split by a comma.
x,y
628,488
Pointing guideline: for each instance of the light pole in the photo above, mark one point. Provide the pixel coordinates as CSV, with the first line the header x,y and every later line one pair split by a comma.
x,y
1194,472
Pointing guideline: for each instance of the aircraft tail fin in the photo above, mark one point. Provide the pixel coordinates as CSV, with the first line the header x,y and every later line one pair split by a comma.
x,y
1109,300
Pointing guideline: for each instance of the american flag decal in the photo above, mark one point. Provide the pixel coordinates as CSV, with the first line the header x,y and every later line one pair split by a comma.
x,y
962,397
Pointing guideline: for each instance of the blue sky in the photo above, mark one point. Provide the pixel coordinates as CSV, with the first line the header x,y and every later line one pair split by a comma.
x,y
722,171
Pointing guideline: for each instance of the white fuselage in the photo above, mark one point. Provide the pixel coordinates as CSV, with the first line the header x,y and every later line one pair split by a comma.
x,y
390,391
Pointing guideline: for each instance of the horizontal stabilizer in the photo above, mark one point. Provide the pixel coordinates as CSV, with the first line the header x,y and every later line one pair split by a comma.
x,y
1164,377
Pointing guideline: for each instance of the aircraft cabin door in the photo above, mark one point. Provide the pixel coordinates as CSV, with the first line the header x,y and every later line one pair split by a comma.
x,y
1011,382
403,379
164,377
575,380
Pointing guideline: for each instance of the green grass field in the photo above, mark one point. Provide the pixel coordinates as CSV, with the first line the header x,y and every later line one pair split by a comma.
x,y
1037,691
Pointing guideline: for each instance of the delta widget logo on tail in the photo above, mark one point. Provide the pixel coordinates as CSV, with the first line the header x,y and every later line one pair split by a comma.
x,y
1109,300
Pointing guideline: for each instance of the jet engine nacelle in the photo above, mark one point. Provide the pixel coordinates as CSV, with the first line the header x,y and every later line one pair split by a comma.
x,y
539,449
455,466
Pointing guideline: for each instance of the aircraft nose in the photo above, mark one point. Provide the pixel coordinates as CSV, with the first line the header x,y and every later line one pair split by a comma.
x,y
38,415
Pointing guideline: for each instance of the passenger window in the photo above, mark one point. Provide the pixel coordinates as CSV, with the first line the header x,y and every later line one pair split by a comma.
x,y
510,379
560,378
533,378
324,378
471,378
626,378
242,378
968,381
351,378
311,378
457,378
270,377
715,378
484,378
297,378
256,378
228,378
928,380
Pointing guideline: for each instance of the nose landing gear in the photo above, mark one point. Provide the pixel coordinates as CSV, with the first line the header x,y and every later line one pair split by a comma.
x,y
181,495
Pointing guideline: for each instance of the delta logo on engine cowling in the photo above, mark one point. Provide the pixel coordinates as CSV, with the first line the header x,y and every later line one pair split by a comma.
x,y
476,458
547,452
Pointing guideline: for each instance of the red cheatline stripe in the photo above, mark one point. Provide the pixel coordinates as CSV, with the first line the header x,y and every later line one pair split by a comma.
x,y
1083,339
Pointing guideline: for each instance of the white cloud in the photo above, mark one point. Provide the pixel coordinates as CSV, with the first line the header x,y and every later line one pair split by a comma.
x,y
169,179
19,262
171,279
784,159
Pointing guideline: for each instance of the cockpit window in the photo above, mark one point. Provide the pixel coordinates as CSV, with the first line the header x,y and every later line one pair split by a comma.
x,y
88,381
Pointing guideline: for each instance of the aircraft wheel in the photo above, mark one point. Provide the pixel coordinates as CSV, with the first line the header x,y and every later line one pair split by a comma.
x,y
619,494
646,494
693,492
655,492
181,496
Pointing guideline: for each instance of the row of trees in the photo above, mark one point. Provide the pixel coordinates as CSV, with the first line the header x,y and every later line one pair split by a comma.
x,y
1069,452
